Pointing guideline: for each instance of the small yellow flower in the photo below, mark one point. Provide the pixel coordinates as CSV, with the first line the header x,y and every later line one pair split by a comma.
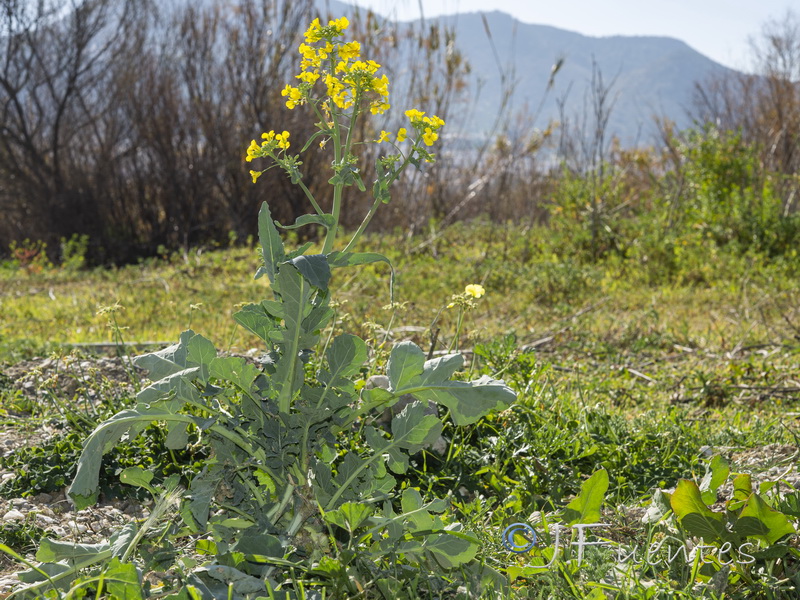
x,y
383,137
475,290
401,134
255,175
350,51
429,137
283,140
414,114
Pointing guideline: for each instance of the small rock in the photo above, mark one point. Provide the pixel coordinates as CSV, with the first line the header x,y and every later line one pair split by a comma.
x,y
18,502
45,519
13,515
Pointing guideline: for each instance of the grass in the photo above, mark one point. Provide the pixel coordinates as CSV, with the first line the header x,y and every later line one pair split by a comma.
x,y
617,367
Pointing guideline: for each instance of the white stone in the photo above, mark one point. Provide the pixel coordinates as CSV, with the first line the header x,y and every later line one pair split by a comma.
x,y
13,515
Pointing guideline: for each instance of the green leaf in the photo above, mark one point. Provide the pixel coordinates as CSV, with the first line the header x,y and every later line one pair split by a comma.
x,y
84,487
314,268
241,582
762,522
409,373
350,515
260,544
469,401
412,429
137,477
406,362
122,580
272,250
235,370
693,514
326,220
53,551
585,507
742,488
346,355
168,361
716,474
200,353
255,319
449,547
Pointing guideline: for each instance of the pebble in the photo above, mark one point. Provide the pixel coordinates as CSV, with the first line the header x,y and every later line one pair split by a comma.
x,y
13,515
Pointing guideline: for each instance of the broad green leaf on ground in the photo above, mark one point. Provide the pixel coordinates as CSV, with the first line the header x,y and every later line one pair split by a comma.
x,y
762,522
178,385
84,488
137,477
716,474
55,551
693,514
585,507
271,244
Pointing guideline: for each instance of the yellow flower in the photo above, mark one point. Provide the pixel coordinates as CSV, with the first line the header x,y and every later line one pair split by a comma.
x,y
429,137
283,140
294,94
252,151
401,134
383,137
475,290
255,175
414,114
350,51
378,108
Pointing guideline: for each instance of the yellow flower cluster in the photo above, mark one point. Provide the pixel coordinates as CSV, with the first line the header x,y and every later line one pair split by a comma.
x,y
271,141
428,127
475,290
347,78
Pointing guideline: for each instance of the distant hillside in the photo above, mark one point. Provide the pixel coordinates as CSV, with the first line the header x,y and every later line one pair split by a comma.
x,y
653,75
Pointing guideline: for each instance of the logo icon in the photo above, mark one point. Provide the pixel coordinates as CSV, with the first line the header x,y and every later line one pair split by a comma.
x,y
519,537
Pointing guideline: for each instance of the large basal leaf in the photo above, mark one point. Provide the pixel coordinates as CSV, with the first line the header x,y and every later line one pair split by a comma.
x,y
51,551
272,250
585,507
762,522
84,487
693,514
410,373
742,489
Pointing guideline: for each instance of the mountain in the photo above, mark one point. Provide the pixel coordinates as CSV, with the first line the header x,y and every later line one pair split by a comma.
x,y
647,75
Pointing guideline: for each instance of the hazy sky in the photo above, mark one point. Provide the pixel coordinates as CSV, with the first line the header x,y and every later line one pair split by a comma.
x,y
720,29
